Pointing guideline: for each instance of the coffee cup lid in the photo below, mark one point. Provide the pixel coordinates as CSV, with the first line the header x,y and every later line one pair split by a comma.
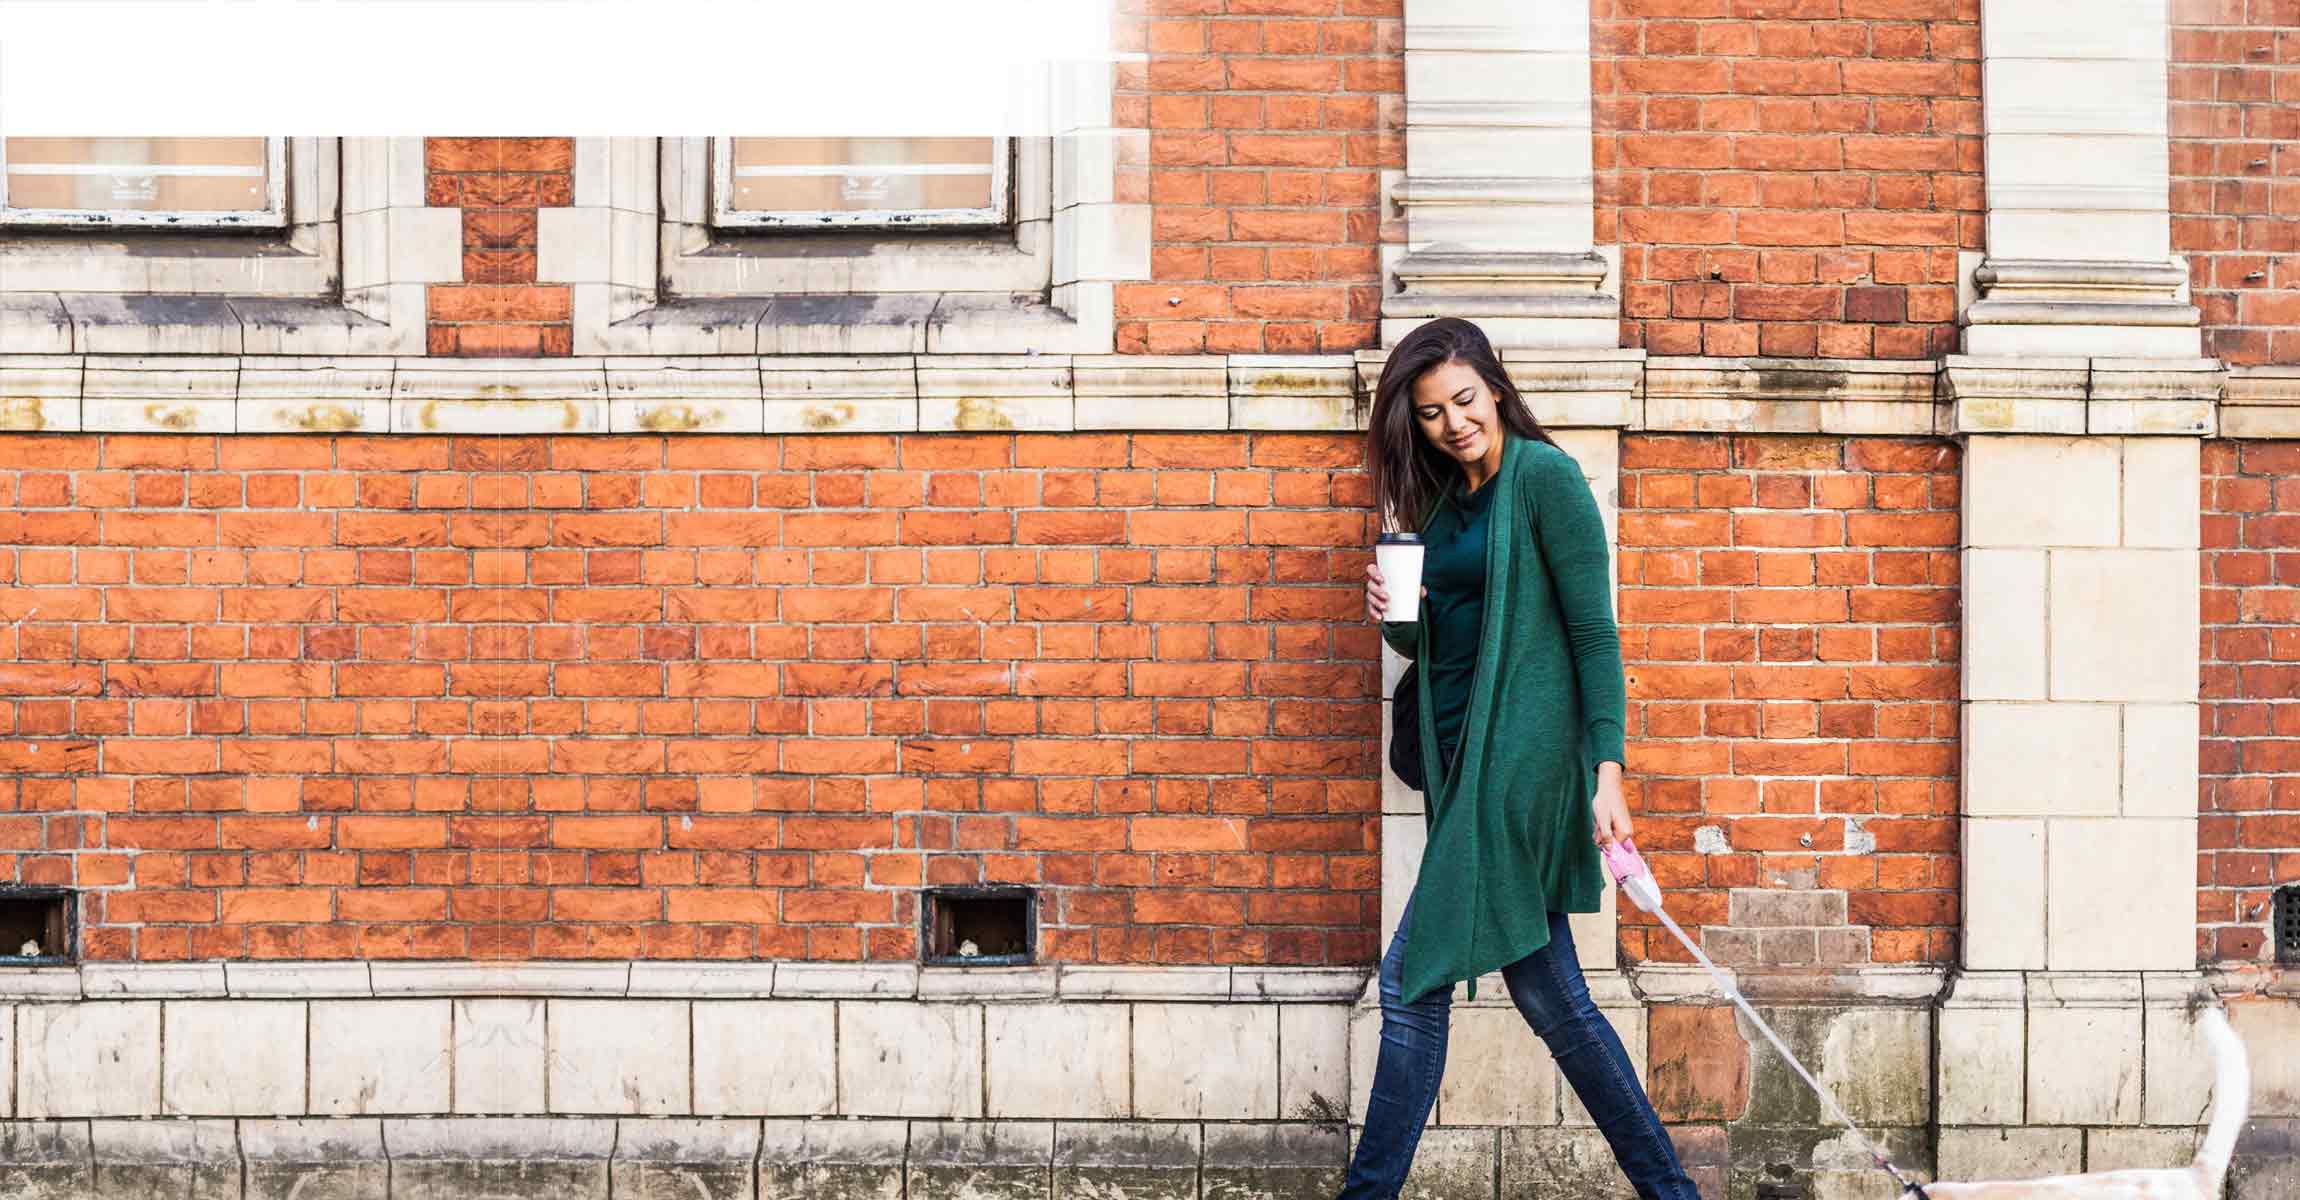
x,y
1396,537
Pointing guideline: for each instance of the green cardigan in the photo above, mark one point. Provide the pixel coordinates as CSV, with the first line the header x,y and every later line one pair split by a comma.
x,y
1509,827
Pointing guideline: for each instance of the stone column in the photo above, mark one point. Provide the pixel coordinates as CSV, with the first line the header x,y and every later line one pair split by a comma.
x,y
2074,117
1498,186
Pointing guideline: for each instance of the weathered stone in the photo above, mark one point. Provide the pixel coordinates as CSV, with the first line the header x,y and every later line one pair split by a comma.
x,y
614,1056
2267,1162
1560,1164
182,1160
907,1059
1057,1060
832,1160
234,1058
980,1160
2084,1049
1195,1061
373,1057
1274,1162
1698,1062
315,1160
2269,1029
2123,1149
685,1160
1496,1073
1314,1071
1453,1164
766,1058
1827,1161
1981,1154
499,1056
1876,1062
89,1060
45,1160
1114,1160
562,1158
1981,1049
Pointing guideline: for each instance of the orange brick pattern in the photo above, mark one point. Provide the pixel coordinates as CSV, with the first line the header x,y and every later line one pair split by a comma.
x,y
1270,121
2236,172
1788,177
410,697
2248,839
1788,620
499,183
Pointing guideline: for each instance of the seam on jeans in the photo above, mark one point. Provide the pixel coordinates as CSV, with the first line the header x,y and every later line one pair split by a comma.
x,y
1646,1117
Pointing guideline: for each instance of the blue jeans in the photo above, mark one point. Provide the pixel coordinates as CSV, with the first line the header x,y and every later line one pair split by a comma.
x,y
1549,993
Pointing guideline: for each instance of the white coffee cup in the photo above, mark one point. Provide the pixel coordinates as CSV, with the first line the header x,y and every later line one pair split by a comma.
x,y
1399,555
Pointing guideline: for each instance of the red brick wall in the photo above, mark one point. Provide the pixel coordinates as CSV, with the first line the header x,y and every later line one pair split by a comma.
x,y
2235,153
2248,842
1788,613
1788,177
722,697
1269,121
499,183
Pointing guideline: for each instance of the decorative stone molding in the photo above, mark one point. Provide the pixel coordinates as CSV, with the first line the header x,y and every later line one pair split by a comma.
x,y
2261,402
1867,397
1499,188
2075,126
346,277
2076,396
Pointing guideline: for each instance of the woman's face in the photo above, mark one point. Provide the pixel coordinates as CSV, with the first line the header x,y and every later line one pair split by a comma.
x,y
1457,413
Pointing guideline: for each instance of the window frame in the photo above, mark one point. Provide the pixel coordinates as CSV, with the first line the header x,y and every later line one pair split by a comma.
x,y
1002,190
274,216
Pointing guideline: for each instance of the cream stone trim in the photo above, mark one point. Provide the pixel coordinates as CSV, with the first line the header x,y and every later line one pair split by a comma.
x,y
345,277
2261,402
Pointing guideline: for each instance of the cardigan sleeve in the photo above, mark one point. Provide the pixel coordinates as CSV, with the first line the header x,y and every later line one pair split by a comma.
x,y
1571,535
1401,635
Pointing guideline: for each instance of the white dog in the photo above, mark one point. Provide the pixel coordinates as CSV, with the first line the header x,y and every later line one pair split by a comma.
x,y
2199,1180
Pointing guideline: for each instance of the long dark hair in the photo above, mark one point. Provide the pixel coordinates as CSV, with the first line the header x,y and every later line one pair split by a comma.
x,y
1409,472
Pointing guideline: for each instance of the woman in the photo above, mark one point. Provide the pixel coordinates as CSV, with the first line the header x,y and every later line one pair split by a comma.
x,y
1521,731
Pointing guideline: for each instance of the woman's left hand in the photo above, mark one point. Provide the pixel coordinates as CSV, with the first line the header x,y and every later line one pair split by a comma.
x,y
1611,810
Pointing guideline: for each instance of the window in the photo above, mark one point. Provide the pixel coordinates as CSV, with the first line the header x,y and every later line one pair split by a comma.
x,y
930,182
185,183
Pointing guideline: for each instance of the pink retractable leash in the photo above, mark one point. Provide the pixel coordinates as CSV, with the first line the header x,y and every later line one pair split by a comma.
x,y
1636,882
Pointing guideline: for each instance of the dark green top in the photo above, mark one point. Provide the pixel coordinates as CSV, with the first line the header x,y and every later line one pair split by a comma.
x,y
1453,568
1509,820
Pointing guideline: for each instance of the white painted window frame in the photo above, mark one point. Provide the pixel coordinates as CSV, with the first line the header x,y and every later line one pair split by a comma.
x,y
345,276
1000,211
273,215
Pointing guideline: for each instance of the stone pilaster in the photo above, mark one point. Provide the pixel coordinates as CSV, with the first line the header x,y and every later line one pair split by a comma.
x,y
2079,230
1499,187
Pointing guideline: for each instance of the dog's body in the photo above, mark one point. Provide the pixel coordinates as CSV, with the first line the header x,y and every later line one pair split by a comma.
x,y
2199,1180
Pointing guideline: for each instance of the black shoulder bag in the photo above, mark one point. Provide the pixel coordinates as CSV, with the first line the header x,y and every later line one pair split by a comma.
x,y
1406,729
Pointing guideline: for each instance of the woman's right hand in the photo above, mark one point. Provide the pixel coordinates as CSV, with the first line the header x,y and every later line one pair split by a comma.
x,y
1377,596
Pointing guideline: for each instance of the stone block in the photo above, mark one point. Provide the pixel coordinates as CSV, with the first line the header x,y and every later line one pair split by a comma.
x,y
2267,1161
2023,491
315,1160
1496,1073
627,1057
2004,872
1453,1164
499,1056
45,1160
234,1058
1314,1072
1114,1160
88,1060
980,1160
2159,492
776,1058
1877,1063
2177,1085
1288,1161
559,1157
906,1059
1200,1061
2124,625
832,1160
182,1160
1982,1048
372,1057
685,1160
1998,1152
1062,1059
1365,1050
2120,894
2004,624
2084,1050
2131,1149
1699,1065
1778,908
2159,762
2035,760
2270,1029
1561,1164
